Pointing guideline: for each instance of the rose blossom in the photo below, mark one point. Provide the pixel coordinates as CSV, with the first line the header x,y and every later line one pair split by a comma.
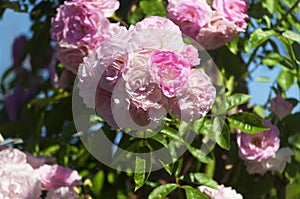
x,y
217,32
19,181
189,15
195,99
280,107
37,161
259,146
62,193
170,71
275,163
221,193
12,156
190,53
157,33
77,24
55,176
108,7
233,10
71,56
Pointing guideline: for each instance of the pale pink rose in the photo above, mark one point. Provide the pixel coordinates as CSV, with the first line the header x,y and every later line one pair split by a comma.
x,y
104,106
234,10
157,33
217,32
19,181
280,107
107,7
37,161
112,73
78,24
170,71
189,15
190,53
221,193
259,146
12,156
275,163
71,56
142,88
62,193
196,98
55,176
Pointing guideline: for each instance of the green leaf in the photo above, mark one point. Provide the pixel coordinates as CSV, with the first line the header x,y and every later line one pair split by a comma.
x,y
98,182
199,155
153,8
291,35
247,122
136,16
235,100
139,172
223,140
260,111
270,5
285,79
199,179
193,193
162,191
259,36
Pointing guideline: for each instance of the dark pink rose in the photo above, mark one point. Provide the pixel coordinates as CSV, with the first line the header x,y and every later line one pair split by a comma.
x,y
259,146
189,15
280,107
234,10
55,176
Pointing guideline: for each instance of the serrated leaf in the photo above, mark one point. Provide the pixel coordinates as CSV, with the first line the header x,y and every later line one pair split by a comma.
x,y
162,191
235,100
291,35
247,122
193,193
199,179
139,172
259,36
285,79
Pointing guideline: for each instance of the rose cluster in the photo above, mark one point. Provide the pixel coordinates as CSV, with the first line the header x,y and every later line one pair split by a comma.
x,y
24,176
144,72
261,151
221,193
212,26
79,27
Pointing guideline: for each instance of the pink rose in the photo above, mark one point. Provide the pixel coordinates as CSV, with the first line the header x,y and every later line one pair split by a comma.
x,y
140,84
195,99
19,181
234,10
189,15
37,161
12,156
259,146
157,33
55,176
217,32
78,24
107,7
62,193
275,163
71,56
191,54
170,71
221,193
280,107
104,106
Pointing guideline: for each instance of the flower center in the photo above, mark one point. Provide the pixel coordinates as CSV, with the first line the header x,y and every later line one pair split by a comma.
x,y
256,141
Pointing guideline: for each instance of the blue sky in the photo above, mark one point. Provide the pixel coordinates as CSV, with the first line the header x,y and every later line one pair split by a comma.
x,y
14,24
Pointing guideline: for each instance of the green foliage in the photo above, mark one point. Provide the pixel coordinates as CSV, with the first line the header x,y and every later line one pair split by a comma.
x,y
162,191
247,122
